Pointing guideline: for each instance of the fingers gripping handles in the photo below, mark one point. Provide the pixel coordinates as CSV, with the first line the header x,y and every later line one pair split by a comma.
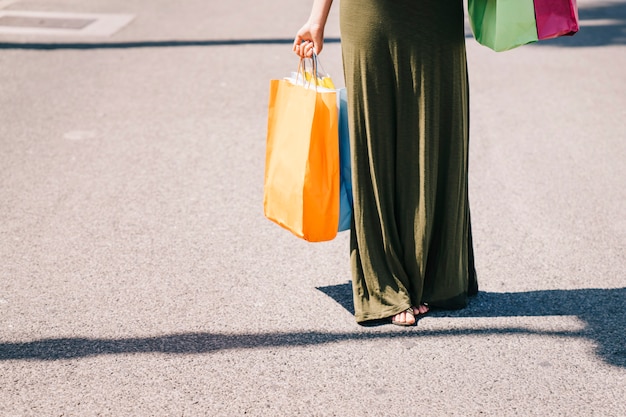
x,y
316,74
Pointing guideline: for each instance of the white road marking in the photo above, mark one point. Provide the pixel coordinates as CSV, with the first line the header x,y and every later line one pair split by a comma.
x,y
7,3
103,25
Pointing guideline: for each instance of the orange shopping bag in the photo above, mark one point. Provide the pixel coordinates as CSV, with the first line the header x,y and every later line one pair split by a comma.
x,y
301,188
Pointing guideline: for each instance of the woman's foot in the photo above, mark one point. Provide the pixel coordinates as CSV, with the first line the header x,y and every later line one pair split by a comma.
x,y
404,318
407,317
422,309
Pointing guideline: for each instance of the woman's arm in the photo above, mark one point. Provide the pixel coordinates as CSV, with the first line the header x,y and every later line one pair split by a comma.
x,y
310,37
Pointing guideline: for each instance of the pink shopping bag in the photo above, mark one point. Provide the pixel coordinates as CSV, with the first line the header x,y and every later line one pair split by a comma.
x,y
556,18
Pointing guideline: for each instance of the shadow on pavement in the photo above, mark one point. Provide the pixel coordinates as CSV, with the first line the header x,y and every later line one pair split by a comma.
x,y
602,310
150,44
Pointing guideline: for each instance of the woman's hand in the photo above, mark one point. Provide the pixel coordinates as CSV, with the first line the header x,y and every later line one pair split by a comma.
x,y
309,39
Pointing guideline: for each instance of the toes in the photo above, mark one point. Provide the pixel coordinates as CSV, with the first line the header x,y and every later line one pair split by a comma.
x,y
408,318
422,309
403,318
399,318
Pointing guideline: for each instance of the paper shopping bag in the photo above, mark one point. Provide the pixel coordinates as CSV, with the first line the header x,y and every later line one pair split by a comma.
x,y
325,83
301,186
556,18
503,24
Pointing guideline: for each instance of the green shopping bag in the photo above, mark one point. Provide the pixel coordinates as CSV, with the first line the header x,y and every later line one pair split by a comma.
x,y
503,24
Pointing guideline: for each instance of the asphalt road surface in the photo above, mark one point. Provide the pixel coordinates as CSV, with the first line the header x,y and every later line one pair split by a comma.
x,y
138,276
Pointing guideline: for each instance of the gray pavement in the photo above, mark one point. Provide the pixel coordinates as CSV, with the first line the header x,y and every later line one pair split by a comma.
x,y
139,277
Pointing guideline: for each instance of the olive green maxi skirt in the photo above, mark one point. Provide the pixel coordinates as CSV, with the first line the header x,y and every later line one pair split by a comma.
x,y
406,76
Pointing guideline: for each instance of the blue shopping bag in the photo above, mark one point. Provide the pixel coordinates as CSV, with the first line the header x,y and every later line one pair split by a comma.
x,y
345,170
